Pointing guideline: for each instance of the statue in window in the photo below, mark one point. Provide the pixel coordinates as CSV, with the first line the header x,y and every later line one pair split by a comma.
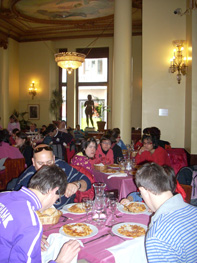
x,y
89,110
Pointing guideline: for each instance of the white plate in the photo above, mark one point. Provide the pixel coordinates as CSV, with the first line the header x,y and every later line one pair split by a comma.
x,y
65,209
94,231
121,209
116,227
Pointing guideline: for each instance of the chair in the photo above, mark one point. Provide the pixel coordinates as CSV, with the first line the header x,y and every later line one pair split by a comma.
x,y
188,191
13,168
178,158
89,193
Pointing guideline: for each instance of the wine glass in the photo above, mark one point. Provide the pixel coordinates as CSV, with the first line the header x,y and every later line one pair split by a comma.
x,y
87,205
119,161
112,206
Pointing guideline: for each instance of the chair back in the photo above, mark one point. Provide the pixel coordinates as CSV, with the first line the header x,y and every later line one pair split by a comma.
x,y
178,158
13,168
188,191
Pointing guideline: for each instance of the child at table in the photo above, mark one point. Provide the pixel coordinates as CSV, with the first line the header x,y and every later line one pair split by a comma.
x,y
136,197
104,153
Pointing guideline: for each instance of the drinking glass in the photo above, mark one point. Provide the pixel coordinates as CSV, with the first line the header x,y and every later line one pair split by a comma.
x,y
99,213
87,205
119,160
112,206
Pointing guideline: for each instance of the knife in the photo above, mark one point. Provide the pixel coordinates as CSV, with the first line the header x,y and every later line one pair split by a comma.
x,y
96,238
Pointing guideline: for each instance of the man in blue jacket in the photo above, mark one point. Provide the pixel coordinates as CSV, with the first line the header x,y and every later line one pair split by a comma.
x,y
43,155
20,227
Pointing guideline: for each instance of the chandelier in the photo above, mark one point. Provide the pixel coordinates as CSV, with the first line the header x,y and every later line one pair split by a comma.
x,y
69,60
178,62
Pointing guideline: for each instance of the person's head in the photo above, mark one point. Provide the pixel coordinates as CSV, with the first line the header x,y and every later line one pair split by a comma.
x,y
89,97
77,127
44,127
62,125
42,155
153,181
149,141
89,147
51,130
170,172
105,143
21,138
14,131
49,183
4,136
115,136
156,132
33,127
13,118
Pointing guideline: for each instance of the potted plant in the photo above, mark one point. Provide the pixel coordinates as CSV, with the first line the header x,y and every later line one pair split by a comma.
x,y
100,109
56,104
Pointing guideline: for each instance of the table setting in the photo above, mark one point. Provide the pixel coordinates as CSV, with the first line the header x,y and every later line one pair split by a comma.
x,y
98,226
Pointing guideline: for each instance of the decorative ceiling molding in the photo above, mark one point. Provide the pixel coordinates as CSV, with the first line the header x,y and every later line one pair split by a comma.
x,y
56,19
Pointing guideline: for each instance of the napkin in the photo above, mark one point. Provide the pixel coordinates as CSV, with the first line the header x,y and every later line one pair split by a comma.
x,y
117,175
2,161
56,240
130,251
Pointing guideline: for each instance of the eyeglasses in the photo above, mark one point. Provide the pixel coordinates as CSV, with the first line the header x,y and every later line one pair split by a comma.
x,y
147,143
58,202
46,148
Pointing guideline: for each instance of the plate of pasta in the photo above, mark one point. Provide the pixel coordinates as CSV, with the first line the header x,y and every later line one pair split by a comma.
x,y
129,230
75,208
133,208
79,230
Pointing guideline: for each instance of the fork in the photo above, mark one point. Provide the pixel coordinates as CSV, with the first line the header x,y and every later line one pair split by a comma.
x,y
67,217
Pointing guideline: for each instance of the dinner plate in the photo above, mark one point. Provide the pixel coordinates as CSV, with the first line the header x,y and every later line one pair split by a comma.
x,y
94,231
116,227
121,209
114,166
66,207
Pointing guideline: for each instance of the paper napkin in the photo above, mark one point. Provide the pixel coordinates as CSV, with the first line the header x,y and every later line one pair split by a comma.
x,y
56,241
130,251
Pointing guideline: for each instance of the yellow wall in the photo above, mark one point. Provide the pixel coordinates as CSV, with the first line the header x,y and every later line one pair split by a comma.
x,y
160,89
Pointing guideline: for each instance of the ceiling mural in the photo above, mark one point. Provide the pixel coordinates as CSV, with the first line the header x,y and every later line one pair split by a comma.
x,y
36,20
61,9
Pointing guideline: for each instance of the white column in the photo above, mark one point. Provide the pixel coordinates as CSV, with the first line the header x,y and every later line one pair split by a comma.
x,y
121,92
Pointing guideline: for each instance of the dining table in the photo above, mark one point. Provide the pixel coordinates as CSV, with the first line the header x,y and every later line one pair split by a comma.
x,y
124,185
95,248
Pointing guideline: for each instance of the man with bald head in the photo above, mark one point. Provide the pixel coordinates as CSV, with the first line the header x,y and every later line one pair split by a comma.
x,y
43,155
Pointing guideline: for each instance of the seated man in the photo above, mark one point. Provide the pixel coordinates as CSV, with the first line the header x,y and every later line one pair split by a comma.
x,y
59,140
78,133
43,155
172,234
20,228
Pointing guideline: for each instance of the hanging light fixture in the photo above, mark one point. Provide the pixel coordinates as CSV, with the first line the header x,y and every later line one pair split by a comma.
x,y
32,90
69,60
178,62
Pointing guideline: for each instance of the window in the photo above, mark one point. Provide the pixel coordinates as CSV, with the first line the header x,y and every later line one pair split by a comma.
x,y
92,79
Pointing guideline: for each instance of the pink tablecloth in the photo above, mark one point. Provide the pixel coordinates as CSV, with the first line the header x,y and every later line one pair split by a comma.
x,y
95,252
125,185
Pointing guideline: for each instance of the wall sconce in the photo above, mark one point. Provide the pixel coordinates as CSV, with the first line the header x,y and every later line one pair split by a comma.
x,y
33,90
178,62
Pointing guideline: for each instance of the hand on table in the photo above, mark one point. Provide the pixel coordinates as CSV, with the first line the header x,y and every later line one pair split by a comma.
x,y
68,251
71,189
44,243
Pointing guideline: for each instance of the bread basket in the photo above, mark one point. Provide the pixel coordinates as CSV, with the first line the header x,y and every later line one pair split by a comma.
x,y
50,216
100,167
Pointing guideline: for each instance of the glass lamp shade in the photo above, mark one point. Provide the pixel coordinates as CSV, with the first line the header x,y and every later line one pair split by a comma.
x,y
69,60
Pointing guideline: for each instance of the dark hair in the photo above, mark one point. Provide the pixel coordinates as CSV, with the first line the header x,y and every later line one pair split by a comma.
x,y
4,136
117,130
114,135
156,132
170,172
47,178
152,138
51,128
23,136
107,137
153,178
13,117
85,144
14,131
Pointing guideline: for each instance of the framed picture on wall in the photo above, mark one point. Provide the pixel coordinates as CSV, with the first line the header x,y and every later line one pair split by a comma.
x,y
34,111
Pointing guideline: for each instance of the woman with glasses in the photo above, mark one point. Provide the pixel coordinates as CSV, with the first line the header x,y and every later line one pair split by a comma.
x,y
86,158
104,153
151,151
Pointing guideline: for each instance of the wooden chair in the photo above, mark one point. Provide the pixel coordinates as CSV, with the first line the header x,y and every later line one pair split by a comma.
x,y
13,168
188,191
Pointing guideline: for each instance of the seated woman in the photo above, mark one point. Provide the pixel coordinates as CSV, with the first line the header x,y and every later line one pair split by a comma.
x,y
24,146
151,152
6,150
104,153
118,139
86,157
13,124
117,151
